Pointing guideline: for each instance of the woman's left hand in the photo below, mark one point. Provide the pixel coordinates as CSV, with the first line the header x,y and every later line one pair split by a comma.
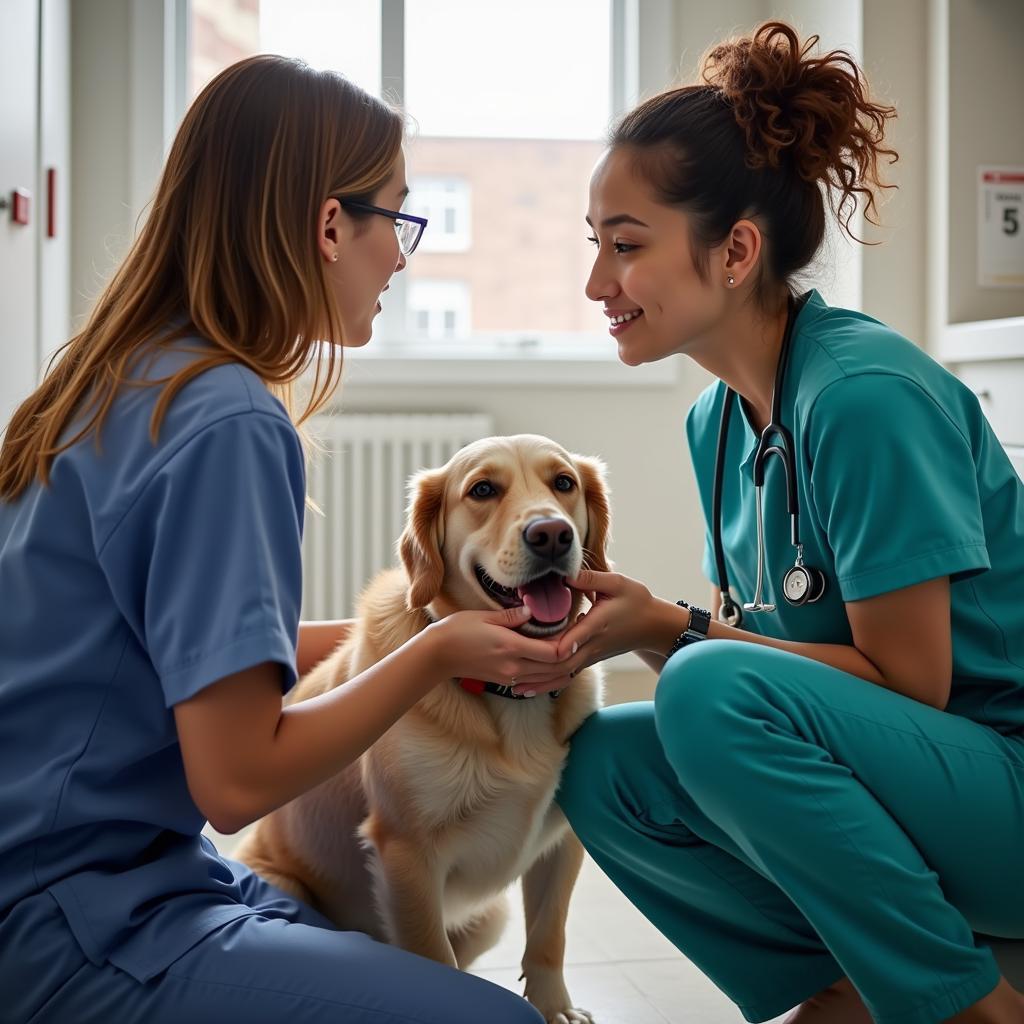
x,y
617,622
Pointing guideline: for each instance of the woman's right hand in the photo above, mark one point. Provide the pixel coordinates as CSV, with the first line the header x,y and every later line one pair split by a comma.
x,y
485,645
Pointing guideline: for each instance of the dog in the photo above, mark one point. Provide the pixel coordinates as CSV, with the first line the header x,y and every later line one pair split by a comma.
x,y
417,841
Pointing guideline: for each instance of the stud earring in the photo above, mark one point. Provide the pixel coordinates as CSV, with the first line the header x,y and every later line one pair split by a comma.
x,y
334,258
730,280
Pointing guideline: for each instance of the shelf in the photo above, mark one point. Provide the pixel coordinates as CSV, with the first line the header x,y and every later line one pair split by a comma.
x,y
982,339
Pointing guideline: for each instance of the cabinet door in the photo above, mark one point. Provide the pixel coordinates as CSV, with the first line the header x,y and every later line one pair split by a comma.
x,y
54,179
999,385
19,62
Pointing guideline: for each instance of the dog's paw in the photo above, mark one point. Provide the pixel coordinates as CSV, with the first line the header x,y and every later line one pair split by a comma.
x,y
574,1015
545,989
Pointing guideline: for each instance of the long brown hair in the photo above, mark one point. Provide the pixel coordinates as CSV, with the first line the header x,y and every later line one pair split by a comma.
x,y
768,130
227,253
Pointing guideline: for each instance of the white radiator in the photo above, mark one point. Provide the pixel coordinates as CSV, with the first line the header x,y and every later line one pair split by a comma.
x,y
359,482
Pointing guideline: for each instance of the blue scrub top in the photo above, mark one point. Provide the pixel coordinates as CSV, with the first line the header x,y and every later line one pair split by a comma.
x,y
900,479
140,575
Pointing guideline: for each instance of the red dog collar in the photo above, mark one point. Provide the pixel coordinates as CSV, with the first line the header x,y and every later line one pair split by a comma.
x,y
479,686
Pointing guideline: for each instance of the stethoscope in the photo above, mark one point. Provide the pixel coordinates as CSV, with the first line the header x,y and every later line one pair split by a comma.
x,y
802,584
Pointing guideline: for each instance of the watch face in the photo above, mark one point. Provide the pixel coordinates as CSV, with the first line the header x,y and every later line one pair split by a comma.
x,y
795,583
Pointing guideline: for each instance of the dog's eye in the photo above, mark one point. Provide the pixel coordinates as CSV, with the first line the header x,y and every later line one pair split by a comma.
x,y
484,489
563,482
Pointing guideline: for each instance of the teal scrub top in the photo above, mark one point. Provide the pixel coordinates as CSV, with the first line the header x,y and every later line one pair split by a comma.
x,y
140,575
900,479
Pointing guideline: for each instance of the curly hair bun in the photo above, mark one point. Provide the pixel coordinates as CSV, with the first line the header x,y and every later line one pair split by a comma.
x,y
811,111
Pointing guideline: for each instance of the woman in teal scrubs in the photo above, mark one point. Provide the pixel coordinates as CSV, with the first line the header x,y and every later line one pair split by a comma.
x,y
151,505
822,806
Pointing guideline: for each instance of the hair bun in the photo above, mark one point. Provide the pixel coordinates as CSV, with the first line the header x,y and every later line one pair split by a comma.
x,y
812,111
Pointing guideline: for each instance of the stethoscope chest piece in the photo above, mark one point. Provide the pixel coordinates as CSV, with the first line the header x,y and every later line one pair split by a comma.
x,y
803,584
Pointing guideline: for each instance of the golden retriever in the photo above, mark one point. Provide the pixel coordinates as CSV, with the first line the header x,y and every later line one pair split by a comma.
x,y
417,842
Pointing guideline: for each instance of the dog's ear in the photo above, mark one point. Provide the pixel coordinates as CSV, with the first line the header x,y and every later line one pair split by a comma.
x,y
595,488
420,543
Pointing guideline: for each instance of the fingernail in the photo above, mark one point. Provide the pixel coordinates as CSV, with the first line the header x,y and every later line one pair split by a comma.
x,y
575,647
529,693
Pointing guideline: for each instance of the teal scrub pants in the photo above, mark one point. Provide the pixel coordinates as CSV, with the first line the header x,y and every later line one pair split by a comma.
x,y
785,824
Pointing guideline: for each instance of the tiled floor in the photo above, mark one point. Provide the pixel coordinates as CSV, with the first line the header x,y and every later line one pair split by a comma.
x,y
618,965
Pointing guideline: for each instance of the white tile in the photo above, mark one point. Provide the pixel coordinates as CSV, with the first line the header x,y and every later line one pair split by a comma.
x,y
618,965
681,992
601,988
603,927
604,917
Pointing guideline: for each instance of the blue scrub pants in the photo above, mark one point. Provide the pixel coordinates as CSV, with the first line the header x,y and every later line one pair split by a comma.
x,y
286,966
785,824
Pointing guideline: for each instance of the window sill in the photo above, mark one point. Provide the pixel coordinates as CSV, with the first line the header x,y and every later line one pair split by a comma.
x,y
536,371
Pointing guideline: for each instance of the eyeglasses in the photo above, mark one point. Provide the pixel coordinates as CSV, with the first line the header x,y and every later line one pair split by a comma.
x,y
408,227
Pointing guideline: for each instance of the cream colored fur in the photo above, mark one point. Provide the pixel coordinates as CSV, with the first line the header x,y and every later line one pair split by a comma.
x,y
417,842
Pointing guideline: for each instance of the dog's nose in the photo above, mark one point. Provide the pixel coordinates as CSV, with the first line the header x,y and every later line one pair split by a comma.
x,y
549,538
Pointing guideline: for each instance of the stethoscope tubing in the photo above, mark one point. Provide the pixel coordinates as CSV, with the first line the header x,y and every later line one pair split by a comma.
x,y
783,447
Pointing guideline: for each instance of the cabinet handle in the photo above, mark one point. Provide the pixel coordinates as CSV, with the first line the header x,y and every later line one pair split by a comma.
x,y
51,202
18,204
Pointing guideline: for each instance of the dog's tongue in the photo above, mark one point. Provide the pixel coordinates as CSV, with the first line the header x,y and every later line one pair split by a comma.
x,y
547,598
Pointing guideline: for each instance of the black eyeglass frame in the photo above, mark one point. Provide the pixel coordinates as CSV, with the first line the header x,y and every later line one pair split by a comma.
x,y
395,215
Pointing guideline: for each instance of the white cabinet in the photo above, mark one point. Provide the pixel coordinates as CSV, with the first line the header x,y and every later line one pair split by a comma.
x,y
54,176
1016,453
999,385
976,85
34,167
19,69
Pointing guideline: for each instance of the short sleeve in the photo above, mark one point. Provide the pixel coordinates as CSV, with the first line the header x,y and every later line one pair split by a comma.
x,y
894,486
206,563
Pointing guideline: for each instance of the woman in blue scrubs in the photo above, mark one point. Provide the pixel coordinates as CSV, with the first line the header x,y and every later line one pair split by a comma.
x,y
151,504
821,806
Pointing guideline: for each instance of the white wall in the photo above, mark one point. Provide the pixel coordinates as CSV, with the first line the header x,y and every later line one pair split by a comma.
x,y
100,145
895,272
124,85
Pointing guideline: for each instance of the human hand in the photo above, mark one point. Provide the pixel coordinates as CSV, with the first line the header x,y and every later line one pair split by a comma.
x,y
485,645
617,622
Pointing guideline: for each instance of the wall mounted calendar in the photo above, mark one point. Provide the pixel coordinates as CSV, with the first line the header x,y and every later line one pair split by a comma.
x,y
1001,227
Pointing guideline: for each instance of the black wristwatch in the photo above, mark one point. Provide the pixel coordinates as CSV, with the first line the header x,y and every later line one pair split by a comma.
x,y
700,623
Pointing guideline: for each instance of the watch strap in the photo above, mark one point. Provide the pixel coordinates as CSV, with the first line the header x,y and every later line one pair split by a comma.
x,y
700,623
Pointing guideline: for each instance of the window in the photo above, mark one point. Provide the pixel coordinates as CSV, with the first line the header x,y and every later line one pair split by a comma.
x,y
507,124
324,33
439,310
445,203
